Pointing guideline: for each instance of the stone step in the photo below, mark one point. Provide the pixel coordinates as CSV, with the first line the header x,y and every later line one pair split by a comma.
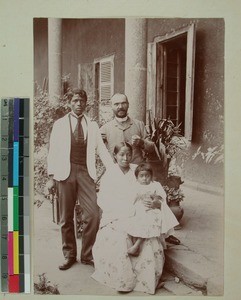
x,y
194,270
174,285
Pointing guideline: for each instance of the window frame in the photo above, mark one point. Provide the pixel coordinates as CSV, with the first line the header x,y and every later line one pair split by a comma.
x,y
190,67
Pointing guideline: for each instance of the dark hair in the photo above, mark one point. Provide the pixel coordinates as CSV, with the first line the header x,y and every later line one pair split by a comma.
x,y
120,145
143,167
77,91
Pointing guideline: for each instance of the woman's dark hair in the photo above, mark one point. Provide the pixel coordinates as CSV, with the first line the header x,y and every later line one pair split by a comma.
x,y
143,167
120,145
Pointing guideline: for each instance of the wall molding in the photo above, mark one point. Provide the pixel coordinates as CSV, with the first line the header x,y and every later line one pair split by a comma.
x,y
204,187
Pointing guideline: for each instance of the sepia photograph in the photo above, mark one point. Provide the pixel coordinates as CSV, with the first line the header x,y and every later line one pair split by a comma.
x,y
128,134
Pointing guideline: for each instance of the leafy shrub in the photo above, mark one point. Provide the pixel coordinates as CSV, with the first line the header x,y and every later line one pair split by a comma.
x,y
213,155
44,286
45,113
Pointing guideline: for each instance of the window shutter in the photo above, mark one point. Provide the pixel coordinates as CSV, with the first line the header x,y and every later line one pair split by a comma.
x,y
190,70
151,78
106,80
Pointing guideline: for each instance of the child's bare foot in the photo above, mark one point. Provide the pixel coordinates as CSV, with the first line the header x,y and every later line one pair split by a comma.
x,y
160,285
129,243
134,250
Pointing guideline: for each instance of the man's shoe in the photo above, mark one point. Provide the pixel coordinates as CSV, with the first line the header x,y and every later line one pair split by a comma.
x,y
88,262
67,264
173,240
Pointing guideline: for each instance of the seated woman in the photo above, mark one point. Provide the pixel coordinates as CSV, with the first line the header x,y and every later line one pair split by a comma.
x,y
113,266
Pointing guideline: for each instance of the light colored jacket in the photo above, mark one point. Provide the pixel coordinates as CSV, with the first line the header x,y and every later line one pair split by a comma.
x,y
60,146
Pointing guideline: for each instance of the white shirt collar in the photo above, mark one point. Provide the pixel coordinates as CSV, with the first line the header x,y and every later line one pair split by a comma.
x,y
121,119
74,115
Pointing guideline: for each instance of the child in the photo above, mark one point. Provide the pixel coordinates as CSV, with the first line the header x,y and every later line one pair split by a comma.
x,y
152,215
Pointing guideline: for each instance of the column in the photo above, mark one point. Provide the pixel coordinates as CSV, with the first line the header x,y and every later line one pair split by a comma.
x,y
55,59
135,66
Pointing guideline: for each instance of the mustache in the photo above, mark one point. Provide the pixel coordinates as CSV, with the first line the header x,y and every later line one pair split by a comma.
x,y
121,109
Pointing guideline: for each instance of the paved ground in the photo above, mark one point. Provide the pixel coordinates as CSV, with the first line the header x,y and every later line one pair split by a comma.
x,y
199,261
202,243
203,224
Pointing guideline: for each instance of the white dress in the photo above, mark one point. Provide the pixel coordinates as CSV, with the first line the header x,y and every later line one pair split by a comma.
x,y
147,223
113,266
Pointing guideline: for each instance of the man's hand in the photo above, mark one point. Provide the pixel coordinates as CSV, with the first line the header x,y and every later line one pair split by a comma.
x,y
49,187
136,141
104,137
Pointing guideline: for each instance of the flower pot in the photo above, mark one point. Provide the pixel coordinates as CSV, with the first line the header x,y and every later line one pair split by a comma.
x,y
176,209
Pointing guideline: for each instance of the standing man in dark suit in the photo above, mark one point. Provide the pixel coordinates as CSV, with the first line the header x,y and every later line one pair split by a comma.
x,y
74,142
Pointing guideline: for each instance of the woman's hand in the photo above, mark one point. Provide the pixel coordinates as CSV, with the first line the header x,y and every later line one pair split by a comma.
x,y
153,203
157,202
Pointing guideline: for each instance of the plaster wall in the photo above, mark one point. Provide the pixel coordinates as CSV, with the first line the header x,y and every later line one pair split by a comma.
x,y
208,121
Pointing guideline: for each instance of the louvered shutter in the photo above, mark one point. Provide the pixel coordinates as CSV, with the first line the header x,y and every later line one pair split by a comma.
x,y
106,80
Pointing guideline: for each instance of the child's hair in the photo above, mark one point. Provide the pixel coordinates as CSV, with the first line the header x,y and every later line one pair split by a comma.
x,y
120,145
143,167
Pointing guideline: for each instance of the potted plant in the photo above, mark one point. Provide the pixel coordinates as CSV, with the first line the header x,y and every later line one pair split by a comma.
x,y
171,148
174,193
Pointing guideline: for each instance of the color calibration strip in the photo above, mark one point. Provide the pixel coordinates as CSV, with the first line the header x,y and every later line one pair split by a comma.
x,y
15,204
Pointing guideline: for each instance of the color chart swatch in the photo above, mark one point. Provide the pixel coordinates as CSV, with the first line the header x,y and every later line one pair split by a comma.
x,y
14,192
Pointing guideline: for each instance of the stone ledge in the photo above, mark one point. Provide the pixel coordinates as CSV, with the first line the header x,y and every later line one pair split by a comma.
x,y
194,270
215,286
204,187
179,288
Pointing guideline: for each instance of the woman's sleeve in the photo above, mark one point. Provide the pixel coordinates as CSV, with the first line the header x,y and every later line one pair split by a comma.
x,y
160,190
101,148
103,195
106,198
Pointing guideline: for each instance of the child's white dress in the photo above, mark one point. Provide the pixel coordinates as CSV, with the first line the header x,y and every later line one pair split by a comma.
x,y
148,223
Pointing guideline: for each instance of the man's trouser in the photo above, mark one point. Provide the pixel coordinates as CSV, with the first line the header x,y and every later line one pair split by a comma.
x,y
79,185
